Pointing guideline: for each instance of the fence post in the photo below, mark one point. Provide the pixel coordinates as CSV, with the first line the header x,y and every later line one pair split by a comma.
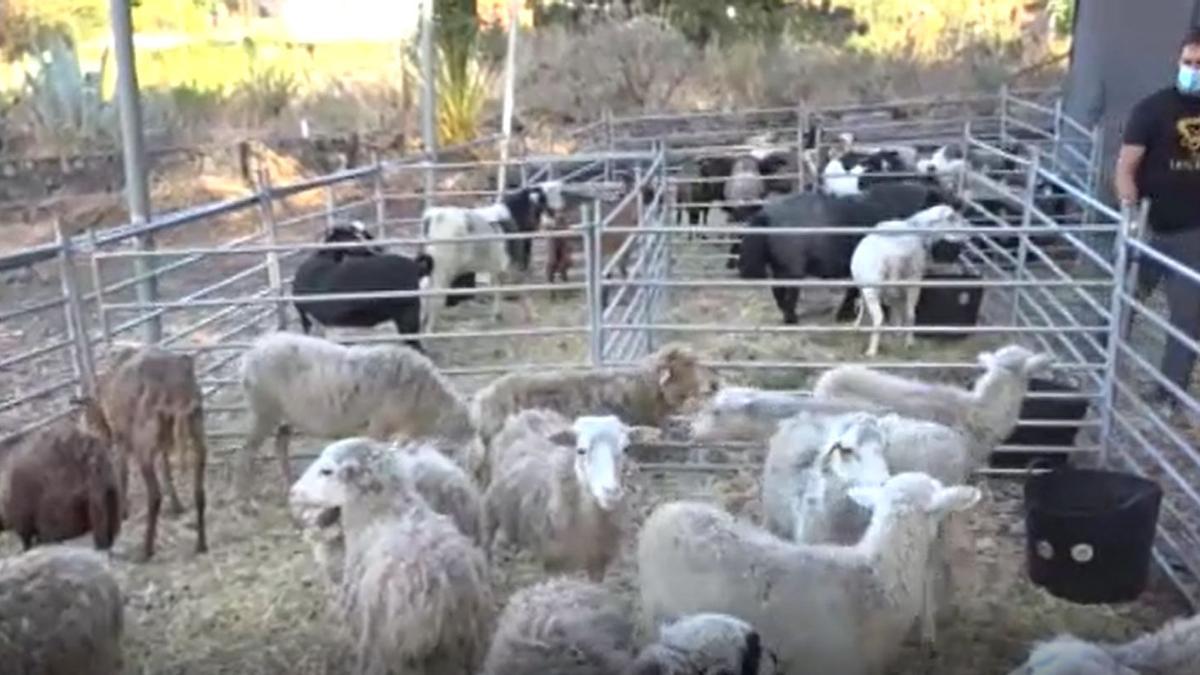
x,y
274,275
1003,113
1058,132
330,203
1027,207
380,202
802,124
1116,329
81,346
608,143
98,288
960,181
594,303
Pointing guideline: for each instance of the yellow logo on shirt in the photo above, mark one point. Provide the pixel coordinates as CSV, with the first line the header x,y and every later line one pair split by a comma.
x,y
1189,142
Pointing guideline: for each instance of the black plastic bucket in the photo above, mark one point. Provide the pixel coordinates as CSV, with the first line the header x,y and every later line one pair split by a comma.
x,y
1089,532
948,306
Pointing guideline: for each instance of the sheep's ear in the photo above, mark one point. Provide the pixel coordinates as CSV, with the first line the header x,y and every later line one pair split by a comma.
x,y
866,497
664,375
1037,362
566,437
954,498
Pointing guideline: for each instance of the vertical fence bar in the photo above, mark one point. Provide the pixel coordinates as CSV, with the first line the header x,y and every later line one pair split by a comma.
x,y
609,143
1003,113
98,288
591,253
1027,205
274,274
802,123
377,195
1116,331
81,347
960,181
330,203
1055,159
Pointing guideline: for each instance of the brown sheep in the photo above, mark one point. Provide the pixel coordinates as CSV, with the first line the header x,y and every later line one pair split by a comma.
x,y
59,485
62,613
642,395
151,402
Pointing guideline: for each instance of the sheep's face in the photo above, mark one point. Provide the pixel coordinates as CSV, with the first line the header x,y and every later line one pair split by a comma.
x,y
1069,656
917,492
355,232
600,443
1015,358
681,377
342,469
840,181
854,451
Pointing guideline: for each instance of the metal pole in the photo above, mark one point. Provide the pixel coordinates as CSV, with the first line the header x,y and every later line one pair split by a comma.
x,y
380,200
1003,113
274,275
133,146
98,288
1057,142
510,69
960,180
1026,221
608,143
1116,330
330,205
591,254
802,123
81,347
428,98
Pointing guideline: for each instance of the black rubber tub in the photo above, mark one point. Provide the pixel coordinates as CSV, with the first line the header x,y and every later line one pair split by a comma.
x,y
945,306
1089,532
1073,409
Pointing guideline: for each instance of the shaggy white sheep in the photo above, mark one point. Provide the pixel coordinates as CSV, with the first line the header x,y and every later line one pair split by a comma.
x,y
325,389
645,394
812,462
988,412
898,250
415,594
822,608
562,626
441,482
749,414
557,490
1173,649
706,643
61,613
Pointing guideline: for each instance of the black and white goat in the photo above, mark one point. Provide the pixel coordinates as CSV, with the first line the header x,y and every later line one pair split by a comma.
x,y
338,269
503,260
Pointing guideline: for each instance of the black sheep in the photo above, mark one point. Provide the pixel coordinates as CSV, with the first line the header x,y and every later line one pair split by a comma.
x,y
825,256
359,270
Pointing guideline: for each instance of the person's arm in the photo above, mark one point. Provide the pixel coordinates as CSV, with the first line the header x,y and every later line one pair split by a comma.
x,y
1138,134
1129,158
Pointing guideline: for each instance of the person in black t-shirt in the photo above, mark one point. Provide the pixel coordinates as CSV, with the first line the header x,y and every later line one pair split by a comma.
x,y
1160,160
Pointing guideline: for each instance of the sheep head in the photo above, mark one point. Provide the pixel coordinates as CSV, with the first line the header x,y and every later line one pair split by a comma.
x,y
345,470
1067,655
600,442
1015,358
941,217
854,451
681,377
916,492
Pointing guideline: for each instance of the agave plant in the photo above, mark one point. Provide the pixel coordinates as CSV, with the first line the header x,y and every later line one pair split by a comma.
x,y
67,104
462,94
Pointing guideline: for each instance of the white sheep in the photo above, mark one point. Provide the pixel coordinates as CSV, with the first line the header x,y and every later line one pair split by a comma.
x,y
557,489
415,594
838,181
812,462
442,483
899,250
645,394
988,412
61,613
822,608
1173,649
325,389
706,643
563,626
751,415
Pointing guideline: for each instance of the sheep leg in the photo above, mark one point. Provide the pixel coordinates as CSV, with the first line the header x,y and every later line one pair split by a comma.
x,y
194,430
174,506
123,478
153,505
870,297
283,437
262,427
911,295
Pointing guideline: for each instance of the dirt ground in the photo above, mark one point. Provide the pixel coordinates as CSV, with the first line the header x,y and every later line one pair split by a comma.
x,y
254,605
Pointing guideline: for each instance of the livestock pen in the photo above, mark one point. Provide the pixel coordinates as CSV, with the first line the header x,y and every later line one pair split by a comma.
x,y
221,276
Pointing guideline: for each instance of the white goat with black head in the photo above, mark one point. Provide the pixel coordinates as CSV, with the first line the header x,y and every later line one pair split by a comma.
x,y
899,250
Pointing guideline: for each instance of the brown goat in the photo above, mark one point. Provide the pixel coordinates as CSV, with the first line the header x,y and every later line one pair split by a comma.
x,y
59,485
151,402
558,262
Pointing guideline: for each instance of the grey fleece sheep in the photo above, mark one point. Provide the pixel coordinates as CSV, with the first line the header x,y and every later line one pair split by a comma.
x,y
562,626
325,389
753,415
1173,649
706,643
645,394
416,594
61,613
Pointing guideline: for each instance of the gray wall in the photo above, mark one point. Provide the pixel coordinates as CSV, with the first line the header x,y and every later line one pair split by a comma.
x,y
1122,50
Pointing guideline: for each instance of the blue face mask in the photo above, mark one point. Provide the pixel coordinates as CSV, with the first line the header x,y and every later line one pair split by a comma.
x,y
1188,80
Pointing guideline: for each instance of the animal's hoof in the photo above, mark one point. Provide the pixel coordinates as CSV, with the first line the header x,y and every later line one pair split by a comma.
x,y
201,549
791,320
